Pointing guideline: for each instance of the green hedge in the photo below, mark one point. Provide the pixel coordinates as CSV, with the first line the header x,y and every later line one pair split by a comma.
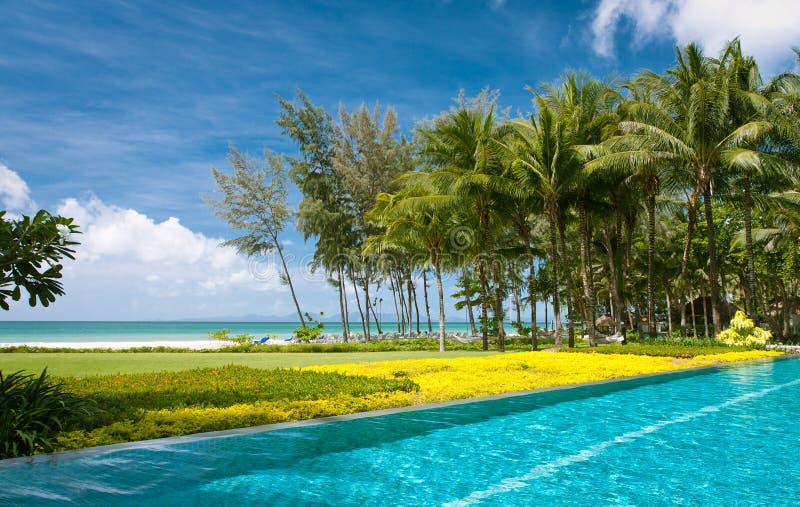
x,y
154,405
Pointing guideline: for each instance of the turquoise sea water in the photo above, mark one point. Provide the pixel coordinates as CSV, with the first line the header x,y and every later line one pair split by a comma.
x,y
53,332
717,437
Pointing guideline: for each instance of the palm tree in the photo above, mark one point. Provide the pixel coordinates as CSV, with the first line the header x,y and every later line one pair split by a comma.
x,y
410,221
464,147
545,163
589,107
689,125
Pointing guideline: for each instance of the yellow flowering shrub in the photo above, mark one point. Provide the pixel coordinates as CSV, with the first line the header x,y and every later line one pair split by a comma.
x,y
744,332
466,377
164,415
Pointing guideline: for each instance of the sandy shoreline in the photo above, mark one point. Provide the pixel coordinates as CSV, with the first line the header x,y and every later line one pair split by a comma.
x,y
182,344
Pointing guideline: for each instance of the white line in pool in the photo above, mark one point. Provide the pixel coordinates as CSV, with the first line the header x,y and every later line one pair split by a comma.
x,y
548,469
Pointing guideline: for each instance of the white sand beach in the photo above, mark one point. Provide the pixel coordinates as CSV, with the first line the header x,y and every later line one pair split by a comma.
x,y
183,344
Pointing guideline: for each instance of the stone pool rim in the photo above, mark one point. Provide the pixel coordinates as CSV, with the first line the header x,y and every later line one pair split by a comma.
x,y
248,430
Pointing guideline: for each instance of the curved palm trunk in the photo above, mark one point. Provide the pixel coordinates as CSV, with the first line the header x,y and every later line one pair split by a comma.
x,y
342,296
360,310
651,242
532,295
409,302
416,305
440,293
289,281
367,303
712,258
612,280
691,211
479,268
632,319
402,300
588,286
346,306
556,281
570,293
394,299
786,328
498,290
377,319
748,240
425,293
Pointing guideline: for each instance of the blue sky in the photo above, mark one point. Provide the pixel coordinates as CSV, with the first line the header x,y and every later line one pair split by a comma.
x,y
114,112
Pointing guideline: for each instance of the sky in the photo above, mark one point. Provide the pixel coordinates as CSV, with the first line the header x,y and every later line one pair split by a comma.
x,y
114,113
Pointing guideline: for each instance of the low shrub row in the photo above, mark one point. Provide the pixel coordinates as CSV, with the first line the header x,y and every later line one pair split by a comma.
x,y
661,349
466,377
154,405
394,345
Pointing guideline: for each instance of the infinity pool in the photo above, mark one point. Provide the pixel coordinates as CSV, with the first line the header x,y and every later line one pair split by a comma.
x,y
729,436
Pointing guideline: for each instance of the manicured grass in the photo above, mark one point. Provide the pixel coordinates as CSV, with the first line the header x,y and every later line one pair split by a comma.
x,y
104,363
142,406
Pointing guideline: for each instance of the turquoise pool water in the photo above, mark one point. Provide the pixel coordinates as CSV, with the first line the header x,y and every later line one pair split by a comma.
x,y
721,437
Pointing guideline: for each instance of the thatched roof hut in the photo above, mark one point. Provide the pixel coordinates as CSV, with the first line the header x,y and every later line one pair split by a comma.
x,y
604,321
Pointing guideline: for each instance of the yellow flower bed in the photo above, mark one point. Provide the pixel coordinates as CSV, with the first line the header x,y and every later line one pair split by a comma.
x,y
447,379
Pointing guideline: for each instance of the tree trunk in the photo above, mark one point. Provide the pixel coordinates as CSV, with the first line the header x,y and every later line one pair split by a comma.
x,y
425,293
786,312
440,292
517,304
556,302
367,302
377,320
346,305
748,241
409,302
479,267
712,258
360,310
669,309
632,319
570,294
394,299
532,294
468,299
705,312
416,305
588,289
498,291
694,316
612,280
399,285
691,212
342,297
651,245
289,281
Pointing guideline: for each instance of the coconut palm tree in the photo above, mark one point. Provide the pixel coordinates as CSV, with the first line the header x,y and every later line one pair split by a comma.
x,y
409,221
463,145
546,163
688,125
589,107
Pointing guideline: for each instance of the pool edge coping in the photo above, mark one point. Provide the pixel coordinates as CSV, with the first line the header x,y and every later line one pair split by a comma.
x,y
248,430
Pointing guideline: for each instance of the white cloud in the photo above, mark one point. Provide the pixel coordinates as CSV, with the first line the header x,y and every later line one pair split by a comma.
x,y
14,192
159,258
131,267
768,28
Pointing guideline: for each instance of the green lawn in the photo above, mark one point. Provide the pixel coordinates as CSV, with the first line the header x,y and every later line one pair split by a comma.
x,y
91,363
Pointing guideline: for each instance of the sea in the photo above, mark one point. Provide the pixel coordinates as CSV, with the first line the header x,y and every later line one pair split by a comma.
x,y
56,332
